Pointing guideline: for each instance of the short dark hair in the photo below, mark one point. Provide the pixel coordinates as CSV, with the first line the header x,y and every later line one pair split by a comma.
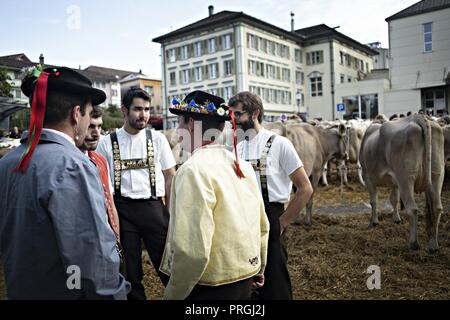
x,y
60,104
207,122
250,103
96,112
132,93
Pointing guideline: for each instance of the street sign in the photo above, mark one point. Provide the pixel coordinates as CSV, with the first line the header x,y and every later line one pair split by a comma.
x,y
341,107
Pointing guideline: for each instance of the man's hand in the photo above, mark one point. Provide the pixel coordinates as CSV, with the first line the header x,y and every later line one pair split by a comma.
x,y
258,281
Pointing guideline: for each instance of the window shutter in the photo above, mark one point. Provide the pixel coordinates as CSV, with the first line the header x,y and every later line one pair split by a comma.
x,y
231,41
308,58
321,56
219,43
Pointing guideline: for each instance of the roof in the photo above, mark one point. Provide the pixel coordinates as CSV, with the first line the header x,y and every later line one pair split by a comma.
x,y
322,31
95,73
16,61
225,18
229,17
420,8
8,106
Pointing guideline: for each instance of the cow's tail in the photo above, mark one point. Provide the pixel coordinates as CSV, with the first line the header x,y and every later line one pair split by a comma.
x,y
428,143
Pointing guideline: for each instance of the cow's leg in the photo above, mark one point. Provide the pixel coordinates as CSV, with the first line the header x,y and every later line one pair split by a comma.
x,y
360,173
433,214
373,203
394,197
314,181
407,195
324,175
342,167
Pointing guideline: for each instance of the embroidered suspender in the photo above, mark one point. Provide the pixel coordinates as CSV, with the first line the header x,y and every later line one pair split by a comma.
x,y
131,164
261,165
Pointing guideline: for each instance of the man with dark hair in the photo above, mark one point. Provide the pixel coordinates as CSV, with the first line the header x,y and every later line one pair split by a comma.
x,y
277,165
88,147
217,243
55,240
141,166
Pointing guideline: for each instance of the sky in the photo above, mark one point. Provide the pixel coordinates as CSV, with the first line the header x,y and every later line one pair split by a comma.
x,y
118,34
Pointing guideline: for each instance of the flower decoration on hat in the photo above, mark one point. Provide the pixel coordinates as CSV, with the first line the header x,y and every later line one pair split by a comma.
x,y
208,108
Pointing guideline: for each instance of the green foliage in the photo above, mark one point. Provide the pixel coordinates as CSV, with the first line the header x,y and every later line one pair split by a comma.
x,y
5,87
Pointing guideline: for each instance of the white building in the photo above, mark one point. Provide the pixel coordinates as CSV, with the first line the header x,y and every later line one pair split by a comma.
x,y
381,60
419,41
292,71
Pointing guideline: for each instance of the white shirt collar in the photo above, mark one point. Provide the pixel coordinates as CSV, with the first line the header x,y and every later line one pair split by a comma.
x,y
61,134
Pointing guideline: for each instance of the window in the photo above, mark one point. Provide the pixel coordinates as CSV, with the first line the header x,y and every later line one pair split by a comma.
x,y
212,45
149,90
197,49
286,75
299,77
315,57
342,78
198,71
349,79
172,79
298,56
341,57
184,76
227,93
348,60
277,49
252,67
316,87
428,37
361,65
213,91
212,70
251,41
228,67
260,69
286,52
270,71
269,46
262,45
184,52
226,41
172,55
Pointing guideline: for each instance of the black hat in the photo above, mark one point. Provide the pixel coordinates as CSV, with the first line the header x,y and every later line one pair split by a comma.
x,y
201,103
65,80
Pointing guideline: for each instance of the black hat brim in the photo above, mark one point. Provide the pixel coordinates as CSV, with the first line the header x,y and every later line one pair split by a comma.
x,y
179,112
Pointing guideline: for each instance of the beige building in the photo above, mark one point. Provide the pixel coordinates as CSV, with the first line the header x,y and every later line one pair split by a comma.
x,y
419,38
292,71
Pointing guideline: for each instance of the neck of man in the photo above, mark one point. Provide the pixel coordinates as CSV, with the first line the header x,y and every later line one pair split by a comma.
x,y
253,132
64,129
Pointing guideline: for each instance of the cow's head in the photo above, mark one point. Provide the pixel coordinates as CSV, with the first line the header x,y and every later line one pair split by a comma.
x,y
344,145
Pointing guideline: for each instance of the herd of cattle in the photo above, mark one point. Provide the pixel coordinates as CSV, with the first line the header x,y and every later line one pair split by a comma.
x,y
406,154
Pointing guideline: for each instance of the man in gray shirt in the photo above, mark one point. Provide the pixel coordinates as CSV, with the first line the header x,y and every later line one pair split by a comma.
x,y
55,241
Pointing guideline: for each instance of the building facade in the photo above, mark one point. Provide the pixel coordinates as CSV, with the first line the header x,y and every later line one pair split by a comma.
x,y
419,38
292,71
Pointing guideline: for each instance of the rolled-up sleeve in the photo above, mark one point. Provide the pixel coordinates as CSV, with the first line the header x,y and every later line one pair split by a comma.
x,y
85,240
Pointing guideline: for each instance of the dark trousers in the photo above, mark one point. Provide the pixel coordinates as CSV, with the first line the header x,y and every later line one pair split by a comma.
x,y
144,221
240,290
277,282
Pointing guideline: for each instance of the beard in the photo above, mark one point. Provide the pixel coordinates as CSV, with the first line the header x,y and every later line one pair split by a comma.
x,y
90,144
136,124
247,125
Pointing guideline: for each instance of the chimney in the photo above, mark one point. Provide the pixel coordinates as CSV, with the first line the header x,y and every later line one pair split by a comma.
x,y
292,22
211,10
41,59
79,67
140,71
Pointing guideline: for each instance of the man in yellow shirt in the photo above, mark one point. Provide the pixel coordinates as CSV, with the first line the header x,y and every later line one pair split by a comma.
x,y
216,245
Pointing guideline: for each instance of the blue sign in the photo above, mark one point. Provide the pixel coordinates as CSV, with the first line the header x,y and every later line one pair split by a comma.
x,y
341,107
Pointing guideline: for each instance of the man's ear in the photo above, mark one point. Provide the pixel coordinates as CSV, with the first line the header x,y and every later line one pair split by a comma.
x,y
124,110
191,124
75,115
256,114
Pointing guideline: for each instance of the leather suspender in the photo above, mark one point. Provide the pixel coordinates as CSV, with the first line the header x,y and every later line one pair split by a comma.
x,y
132,164
260,166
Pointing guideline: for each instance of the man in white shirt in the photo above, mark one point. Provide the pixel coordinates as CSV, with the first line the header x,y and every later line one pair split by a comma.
x,y
277,166
141,167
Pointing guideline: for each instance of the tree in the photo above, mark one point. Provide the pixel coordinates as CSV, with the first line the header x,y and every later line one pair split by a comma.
x,y
5,87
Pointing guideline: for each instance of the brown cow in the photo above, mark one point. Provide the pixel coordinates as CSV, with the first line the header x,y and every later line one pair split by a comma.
x,y
407,155
316,146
